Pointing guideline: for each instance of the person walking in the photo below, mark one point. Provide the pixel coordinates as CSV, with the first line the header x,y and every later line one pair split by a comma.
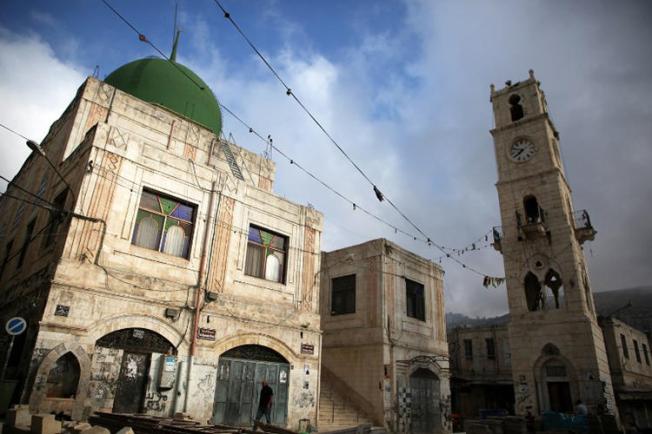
x,y
581,408
264,403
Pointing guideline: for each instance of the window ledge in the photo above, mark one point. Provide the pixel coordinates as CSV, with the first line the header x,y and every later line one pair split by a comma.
x,y
263,283
155,255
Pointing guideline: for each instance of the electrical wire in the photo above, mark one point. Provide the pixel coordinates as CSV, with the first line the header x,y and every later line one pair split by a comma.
x,y
12,131
380,196
289,92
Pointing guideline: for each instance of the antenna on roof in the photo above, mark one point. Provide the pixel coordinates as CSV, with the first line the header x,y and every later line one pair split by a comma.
x,y
173,55
175,35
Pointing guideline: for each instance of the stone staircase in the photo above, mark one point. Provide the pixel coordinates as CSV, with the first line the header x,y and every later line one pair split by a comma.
x,y
335,410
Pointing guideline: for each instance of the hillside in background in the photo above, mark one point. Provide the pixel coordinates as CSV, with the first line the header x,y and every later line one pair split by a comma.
x,y
633,306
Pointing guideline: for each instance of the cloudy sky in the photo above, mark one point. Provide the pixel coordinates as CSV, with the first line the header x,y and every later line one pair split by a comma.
x,y
403,86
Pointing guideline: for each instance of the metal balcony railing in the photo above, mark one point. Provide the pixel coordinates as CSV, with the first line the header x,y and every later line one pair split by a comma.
x,y
497,232
584,230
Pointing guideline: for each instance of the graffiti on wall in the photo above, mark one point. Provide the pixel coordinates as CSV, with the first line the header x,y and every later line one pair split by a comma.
x,y
206,384
155,401
306,399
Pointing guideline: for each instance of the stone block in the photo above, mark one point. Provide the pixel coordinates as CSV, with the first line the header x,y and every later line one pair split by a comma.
x,y
79,427
126,430
45,424
19,416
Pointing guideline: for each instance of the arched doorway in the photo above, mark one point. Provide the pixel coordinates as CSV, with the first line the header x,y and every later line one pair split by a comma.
x,y
132,351
239,375
63,378
426,416
557,386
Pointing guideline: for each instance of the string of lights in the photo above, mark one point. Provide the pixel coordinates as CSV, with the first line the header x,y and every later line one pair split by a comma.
x,y
379,195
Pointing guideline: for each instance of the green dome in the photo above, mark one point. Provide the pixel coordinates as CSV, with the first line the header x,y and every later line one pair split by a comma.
x,y
162,82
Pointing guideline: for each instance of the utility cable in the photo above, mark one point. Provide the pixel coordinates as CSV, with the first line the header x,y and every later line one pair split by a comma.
x,y
379,195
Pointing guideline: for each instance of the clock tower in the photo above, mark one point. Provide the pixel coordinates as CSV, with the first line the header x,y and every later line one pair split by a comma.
x,y
558,351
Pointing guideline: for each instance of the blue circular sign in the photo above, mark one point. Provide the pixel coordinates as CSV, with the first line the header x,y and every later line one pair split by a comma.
x,y
16,326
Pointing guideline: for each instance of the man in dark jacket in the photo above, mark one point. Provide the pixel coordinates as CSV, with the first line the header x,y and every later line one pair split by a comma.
x,y
265,403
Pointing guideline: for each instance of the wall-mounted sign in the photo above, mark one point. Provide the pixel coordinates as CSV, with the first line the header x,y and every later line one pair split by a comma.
x,y
207,334
61,310
15,326
307,349
283,377
139,333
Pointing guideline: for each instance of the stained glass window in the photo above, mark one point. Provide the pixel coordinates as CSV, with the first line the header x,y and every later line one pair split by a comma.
x,y
266,254
164,224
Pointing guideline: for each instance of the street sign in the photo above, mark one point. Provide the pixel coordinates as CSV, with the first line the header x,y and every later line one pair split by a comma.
x,y
16,326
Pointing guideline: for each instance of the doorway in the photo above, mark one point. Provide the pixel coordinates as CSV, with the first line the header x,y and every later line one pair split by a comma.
x,y
560,396
239,375
136,348
132,380
424,385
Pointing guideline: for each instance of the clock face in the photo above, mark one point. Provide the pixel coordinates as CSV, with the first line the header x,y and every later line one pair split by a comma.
x,y
522,150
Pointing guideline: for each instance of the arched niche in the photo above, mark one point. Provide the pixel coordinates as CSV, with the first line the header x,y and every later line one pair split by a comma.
x,y
63,378
554,284
533,211
38,400
533,294
515,107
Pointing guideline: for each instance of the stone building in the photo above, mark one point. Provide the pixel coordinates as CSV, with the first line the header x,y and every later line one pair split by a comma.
x,y
384,344
168,277
558,352
628,350
481,369
481,383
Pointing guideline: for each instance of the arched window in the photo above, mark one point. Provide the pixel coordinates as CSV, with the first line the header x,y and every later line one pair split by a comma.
x,y
63,377
147,233
515,107
533,295
175,241
533,212
554,283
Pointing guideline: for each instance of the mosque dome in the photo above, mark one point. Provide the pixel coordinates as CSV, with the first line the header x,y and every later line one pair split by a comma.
x,y
171,85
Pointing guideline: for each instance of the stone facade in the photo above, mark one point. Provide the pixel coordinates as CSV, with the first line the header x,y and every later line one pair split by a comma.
x,y
382,313
481,369
558,352
630,362
85,276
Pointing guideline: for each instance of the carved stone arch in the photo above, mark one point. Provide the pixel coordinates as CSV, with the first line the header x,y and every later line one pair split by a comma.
x,y
81,397
268,341
427,363
540,376
550,350
105,326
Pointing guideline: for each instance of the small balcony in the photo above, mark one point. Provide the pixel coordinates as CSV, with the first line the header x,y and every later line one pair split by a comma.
x,y
583,228
533,227
497,232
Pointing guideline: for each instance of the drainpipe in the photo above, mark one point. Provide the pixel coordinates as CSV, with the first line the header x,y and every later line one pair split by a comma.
x,y
199,294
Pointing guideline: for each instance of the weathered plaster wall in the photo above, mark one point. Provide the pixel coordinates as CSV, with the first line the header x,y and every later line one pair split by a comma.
x,y
115,145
